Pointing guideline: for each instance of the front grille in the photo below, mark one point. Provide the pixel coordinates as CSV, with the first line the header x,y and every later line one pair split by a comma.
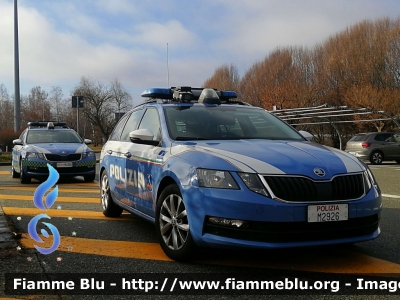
x,y
61,171
68,157
303,189
280,232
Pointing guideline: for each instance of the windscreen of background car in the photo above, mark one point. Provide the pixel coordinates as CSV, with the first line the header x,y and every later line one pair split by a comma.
x,y
224,122
52,136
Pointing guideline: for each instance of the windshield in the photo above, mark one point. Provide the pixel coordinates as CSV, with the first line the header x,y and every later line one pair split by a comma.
x,y
225,122
52,136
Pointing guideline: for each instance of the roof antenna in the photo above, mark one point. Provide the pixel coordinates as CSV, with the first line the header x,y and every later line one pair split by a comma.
x,y
167,67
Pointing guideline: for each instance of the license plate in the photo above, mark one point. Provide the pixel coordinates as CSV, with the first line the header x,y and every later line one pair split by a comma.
x,y
328,212
67,164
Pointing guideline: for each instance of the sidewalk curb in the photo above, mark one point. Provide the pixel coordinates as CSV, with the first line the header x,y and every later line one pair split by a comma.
x,y
7,242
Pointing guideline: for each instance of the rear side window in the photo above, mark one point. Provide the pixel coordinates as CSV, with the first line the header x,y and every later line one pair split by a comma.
x,y
118,129
360,138
382,137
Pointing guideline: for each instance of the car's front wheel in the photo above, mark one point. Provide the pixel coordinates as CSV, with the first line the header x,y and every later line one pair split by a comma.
x,y
23,178
110,209
376,158
172,225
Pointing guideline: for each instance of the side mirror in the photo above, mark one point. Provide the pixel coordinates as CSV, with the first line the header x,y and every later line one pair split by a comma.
x,y
87,141
143,136
306,134
17,142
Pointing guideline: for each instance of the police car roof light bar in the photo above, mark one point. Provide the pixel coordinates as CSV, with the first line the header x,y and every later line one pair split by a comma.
x,y
46,124
183,93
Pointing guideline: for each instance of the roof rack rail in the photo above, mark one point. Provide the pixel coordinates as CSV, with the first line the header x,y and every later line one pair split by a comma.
x,y
186,94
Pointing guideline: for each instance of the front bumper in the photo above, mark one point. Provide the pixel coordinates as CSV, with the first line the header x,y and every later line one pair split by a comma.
x,y
274,224
38,167
359,155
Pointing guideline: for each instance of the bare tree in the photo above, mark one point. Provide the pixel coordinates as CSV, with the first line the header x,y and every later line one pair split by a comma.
x,y
6,109
56,95
121,97
101,103
35,106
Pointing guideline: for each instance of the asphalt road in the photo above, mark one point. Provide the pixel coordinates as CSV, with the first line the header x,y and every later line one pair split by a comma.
x,y
91,243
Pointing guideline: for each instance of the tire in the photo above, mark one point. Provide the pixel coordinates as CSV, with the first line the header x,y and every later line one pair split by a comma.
x,y
23,178
89,178
110,209
14,174
376,158
172,225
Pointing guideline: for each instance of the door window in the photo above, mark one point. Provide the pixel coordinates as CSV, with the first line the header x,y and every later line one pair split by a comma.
x,y
151,121
131,124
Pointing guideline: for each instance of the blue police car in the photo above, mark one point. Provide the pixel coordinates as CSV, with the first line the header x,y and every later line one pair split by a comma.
x,y
53,143
211,171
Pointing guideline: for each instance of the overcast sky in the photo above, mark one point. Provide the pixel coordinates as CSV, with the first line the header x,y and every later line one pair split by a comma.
x,y
62,40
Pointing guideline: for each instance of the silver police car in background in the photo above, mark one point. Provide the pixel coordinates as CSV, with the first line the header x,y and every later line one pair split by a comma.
x,y
375,146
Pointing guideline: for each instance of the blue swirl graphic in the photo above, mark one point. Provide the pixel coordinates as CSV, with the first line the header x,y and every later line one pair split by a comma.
x,y
38,202
54,231
44,187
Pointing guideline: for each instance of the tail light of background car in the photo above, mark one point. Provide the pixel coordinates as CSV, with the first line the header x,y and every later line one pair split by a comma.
x,y
365,144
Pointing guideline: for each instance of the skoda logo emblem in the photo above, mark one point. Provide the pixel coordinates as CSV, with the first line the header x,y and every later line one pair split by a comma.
x,y
319,172
63,152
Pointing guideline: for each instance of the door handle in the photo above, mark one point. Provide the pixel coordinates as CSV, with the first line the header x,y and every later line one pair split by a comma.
x,y
128,154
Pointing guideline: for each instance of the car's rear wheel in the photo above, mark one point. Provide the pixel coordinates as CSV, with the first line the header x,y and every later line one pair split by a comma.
x,y
23,178
376,158
110,209
14,174
172,225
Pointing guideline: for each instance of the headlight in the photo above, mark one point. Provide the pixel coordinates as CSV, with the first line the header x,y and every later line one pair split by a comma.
x,y
216,179
35,155
87,154
369,178
253,183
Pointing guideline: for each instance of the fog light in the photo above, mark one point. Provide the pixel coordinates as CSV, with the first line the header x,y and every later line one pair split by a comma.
x,y
226,222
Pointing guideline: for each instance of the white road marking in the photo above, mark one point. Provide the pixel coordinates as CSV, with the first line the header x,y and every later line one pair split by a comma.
x,y
390,196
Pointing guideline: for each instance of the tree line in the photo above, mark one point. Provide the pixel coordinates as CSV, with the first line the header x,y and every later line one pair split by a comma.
x,y
358,67
96,119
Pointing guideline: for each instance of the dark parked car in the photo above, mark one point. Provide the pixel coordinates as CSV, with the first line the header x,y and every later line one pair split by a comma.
x,y
375,146
52,143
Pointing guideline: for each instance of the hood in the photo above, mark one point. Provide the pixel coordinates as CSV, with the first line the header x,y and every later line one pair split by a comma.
x,y
273,157
59,148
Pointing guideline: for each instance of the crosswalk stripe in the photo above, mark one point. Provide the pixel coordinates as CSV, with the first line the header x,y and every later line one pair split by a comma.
x,y
345,262
123,249
60,189
88,184
61,213
59,198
